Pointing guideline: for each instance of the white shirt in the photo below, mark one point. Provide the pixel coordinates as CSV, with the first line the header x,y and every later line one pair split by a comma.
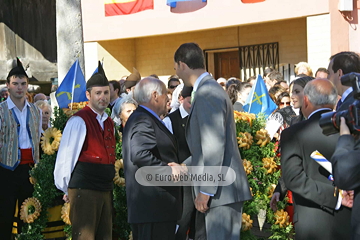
x,y
23,138
72,141
198,80
167,120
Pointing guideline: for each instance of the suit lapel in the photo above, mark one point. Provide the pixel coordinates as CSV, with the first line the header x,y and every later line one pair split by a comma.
x,y
159,124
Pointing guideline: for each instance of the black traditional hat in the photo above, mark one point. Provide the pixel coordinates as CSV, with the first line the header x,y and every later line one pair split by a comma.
x,y
98,79
132,79
18,70
186,91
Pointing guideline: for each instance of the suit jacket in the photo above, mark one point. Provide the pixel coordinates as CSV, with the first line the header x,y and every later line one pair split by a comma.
x,y
238,107
147,142
346,171
211,136
315,216
347,102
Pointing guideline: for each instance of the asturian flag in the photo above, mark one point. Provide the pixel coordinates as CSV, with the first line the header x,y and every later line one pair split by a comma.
x,y
72,88
259,100
172,3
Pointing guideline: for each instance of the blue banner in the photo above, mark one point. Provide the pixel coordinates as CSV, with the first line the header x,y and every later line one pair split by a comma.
x,y
259,100
72,88
172,3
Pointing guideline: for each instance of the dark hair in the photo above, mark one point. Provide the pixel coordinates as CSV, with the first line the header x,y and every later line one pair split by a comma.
x,y
281,96
232,81
275,89
276,75
302,81
233,91
116,85
346,61
252,78
322,70
172,80
267,70
154,76
190,54
17,76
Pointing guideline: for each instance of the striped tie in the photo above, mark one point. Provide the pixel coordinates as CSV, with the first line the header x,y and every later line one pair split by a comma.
x,y
338,104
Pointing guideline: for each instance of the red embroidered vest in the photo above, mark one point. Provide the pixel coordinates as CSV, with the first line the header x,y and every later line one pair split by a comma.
x,y
99,145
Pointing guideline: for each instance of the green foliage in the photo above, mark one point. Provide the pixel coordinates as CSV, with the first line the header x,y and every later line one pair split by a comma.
x,y
260,181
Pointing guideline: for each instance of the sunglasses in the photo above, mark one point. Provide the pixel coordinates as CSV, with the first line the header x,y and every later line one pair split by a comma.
x,y
173,86
285,103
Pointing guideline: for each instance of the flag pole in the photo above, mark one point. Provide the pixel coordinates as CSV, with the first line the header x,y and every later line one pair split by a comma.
x,y
73,87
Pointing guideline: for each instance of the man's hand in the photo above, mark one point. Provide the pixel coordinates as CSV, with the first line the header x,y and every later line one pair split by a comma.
x,y
66,198
344,130
177,170
201,202
347,198
274,199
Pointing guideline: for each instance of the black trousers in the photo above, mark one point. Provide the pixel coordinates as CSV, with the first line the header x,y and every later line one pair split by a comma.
x,y
14,185
154,231
188,211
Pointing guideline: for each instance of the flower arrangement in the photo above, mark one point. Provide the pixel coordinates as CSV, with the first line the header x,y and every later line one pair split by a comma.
x,y
261,166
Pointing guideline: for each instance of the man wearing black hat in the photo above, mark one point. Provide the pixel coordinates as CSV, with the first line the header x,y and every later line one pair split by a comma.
x,y
84,168
176,123
20,127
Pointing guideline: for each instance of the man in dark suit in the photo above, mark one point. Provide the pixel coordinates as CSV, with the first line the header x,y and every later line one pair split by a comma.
x,y
211,136
152,210
346,170
341,64
318,212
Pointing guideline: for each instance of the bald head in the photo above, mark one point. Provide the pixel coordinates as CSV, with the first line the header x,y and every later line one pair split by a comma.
x,y
319,93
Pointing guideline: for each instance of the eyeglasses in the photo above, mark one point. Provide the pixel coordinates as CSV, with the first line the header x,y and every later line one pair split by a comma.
x,y
173,86
285,103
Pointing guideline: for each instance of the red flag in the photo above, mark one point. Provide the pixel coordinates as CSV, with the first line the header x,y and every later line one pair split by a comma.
x,y
124,7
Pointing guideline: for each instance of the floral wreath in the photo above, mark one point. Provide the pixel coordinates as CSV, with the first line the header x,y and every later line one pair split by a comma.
x,y
50,140
120,181
25,207
65,213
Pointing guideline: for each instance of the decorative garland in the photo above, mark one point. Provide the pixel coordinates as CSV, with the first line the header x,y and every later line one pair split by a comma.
x,y
261,166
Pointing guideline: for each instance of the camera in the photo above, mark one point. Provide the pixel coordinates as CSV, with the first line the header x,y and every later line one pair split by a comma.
x,y
330,122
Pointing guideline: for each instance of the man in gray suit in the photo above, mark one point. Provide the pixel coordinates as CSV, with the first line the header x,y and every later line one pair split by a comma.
x,y
211,136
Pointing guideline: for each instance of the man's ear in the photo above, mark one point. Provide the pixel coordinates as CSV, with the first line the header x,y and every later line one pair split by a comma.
x,y
87,95
155,96
306,101
340,73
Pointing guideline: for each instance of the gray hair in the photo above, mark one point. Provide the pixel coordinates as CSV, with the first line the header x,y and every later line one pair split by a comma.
x,y
318,96
144,89
119,106
41,104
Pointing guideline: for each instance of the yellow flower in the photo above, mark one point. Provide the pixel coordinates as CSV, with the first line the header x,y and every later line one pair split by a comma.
x,y
244,116
269,164
262,137
247,166
244,140
271,190
246,222
50,140
24,210
65,213
282,218
117,179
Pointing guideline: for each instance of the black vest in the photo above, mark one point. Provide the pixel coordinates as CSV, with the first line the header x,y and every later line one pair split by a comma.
x,y
178,125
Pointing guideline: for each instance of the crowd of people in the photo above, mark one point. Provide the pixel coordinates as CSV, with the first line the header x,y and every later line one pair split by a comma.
x,y
188,122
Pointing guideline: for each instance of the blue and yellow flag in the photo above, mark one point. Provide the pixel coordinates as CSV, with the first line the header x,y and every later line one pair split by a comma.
x,y
172,3
72,88
259,100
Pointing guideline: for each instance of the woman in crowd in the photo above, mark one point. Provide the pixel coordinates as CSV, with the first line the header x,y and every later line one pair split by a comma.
x,y
122,110
238,93
283,100
45,107
287,119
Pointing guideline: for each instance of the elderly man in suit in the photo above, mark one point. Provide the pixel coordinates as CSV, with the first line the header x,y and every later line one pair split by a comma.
x,y
318,212
152,210
341,64
210,134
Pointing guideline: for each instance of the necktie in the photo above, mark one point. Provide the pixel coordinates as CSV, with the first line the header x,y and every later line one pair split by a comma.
x,y
338,104
192,95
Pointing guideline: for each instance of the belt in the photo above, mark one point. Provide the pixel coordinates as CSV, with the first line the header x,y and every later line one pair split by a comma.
x,y
26,156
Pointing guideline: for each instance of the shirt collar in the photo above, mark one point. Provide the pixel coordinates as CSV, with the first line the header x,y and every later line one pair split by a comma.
x,y
183,112
198,80
318,110
152,112
346,93
113,102
11,104
100,118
